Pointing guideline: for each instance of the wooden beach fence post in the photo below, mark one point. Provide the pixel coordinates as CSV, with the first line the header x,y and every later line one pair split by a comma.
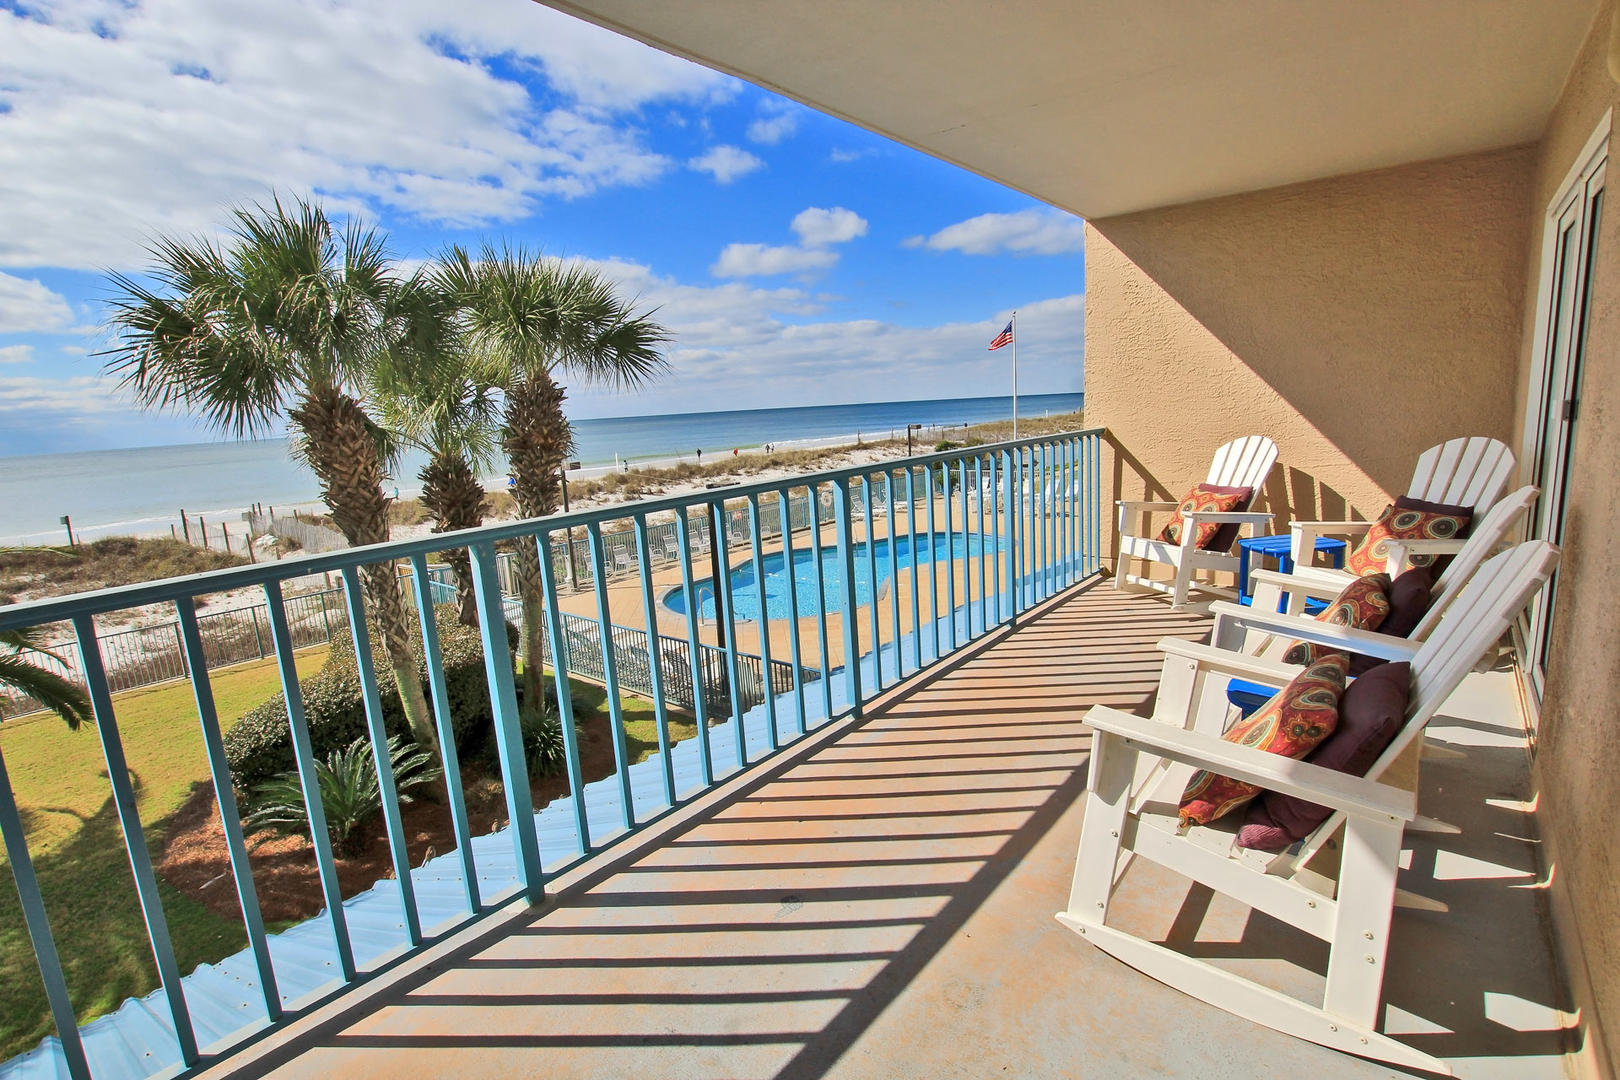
x,y
202,527
225,533
185,528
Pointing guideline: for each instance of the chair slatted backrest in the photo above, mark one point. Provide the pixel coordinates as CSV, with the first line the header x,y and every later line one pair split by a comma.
x,y
1481,614
1244,462
1463,472
1483,540
1489,603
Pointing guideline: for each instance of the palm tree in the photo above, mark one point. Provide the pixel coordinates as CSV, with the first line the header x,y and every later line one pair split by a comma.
x,y
21,674
449,411
539,320
286,320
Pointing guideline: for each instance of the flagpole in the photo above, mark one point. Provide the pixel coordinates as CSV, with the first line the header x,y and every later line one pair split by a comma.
x,y
1015,372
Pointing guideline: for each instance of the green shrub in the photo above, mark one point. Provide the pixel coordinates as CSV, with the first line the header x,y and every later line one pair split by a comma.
x,y
259,747
350,795
543,732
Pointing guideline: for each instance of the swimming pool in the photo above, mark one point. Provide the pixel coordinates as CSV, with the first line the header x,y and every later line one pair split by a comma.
x,y
745,591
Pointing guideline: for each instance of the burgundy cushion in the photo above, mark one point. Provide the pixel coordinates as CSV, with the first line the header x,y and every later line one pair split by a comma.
x,y
1370,713
1409,599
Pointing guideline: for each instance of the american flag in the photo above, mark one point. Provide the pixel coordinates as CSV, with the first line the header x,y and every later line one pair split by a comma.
x,y
1003,338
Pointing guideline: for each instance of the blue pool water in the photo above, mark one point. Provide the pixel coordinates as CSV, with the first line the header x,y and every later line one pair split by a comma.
x,y
745,582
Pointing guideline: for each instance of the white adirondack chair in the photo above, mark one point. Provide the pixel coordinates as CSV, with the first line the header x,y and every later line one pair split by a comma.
x,y
1244,462
1140,766
1463,472
1322,583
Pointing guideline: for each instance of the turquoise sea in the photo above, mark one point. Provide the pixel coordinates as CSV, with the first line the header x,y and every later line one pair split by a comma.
x,y
143,490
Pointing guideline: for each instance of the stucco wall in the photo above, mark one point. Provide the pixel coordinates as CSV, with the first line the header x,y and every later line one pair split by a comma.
x,y
1356,320
1578,751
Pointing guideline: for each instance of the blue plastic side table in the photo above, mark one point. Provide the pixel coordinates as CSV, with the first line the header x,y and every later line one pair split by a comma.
x,y
1281,549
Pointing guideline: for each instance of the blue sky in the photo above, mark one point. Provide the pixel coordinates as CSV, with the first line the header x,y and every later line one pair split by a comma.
x,y
798,259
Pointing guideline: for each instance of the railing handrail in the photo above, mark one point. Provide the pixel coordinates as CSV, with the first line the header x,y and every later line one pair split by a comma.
x,y
102,601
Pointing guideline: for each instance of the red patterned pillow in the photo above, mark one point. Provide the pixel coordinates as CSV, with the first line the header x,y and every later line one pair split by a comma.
x,y
1299,716
1363,605
1408,519
1211,497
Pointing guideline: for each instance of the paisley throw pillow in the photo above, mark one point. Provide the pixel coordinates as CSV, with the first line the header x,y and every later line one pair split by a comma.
x,y
1209,497
1363,605
1292,723
1408,519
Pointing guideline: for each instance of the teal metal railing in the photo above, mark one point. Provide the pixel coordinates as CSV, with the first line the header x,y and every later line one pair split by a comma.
x,y
1004,527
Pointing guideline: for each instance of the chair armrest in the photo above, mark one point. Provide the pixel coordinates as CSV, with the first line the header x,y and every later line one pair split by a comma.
x,y
1225,662
1311,581
1316,632
1398,551
1354,795
1306,533
1140,504
1258,517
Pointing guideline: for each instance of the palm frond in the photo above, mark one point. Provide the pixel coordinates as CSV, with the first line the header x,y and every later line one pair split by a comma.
x,y
21,673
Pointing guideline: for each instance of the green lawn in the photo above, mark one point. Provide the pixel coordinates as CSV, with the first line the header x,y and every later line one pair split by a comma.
x,y
60,780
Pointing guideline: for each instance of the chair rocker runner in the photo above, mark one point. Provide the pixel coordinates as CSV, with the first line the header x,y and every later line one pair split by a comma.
x,y
1462,472
1139,767
1243,462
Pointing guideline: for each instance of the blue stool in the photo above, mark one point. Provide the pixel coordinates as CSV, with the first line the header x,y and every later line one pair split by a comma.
x,y
1249,696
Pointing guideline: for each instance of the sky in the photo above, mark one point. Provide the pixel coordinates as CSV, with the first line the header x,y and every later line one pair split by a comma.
x,y
796,258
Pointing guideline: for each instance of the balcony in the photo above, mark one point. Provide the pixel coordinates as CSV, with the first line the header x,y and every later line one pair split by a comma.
x,y
856,876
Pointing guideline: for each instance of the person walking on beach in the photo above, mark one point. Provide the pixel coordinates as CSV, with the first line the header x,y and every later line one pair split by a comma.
x,y
700,455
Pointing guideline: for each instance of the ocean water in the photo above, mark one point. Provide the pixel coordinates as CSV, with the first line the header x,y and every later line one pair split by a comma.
x,y
143,491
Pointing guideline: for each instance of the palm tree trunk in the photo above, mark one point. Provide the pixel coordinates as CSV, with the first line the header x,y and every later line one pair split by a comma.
x,y
341,448
452,494
537,439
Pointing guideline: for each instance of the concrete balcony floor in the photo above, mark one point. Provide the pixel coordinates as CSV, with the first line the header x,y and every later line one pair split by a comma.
x,y
879,902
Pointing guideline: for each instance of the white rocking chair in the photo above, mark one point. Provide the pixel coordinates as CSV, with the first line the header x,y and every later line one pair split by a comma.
x,y
1140,766
1322,583
1243,462
1462,472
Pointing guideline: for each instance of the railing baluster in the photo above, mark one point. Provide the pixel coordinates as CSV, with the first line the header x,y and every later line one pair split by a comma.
x,y
655,657
560,661
726,609
967,564
842,509
911,528
1049,455
498,669
996,529
978,495
129,819
387,789
1010,482
444,725
934,565
610,673
821,602
796,647
1072,487
304,757
950,552
219,769
756,526
694,653
872,588
39,930
894,574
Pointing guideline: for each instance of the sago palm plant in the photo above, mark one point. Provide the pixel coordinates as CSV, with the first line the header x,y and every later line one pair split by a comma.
x,y
540,321
287,320
350,794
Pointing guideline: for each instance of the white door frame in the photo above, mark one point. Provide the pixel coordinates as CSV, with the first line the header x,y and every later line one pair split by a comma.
x,y
1568,209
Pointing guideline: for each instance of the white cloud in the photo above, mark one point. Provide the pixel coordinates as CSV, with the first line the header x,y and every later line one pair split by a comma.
x,y
726,163
16,354
750,347
81,394
750,260
777,120
27,306
1027,232
843,157
818,227
119,120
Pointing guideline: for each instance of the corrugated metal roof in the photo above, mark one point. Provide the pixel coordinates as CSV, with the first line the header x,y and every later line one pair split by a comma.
x,y
137,1040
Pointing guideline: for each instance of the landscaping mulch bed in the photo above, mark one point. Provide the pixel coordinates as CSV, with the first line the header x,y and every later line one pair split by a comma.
x,y
196,861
